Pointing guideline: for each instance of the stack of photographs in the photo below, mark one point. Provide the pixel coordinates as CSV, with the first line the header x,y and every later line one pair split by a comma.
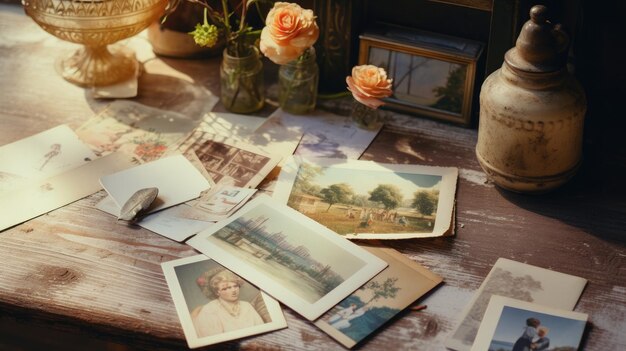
x,y
520,281
291,257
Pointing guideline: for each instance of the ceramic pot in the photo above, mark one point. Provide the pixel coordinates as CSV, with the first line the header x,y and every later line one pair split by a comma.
x,y
532,112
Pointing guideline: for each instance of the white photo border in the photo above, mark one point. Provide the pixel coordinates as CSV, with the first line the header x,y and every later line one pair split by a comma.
x,y
447,191
311,311
494,313
273,308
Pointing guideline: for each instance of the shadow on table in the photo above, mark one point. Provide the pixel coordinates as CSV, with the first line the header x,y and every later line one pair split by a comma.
x,y
594,201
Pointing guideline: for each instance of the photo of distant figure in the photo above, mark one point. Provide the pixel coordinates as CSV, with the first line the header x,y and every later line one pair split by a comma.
x,y
524,330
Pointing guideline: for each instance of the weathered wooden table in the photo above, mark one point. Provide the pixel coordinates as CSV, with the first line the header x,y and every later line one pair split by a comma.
x,y
76,271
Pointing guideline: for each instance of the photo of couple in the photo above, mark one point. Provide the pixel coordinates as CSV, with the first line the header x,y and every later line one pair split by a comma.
x,y
533,337
520,329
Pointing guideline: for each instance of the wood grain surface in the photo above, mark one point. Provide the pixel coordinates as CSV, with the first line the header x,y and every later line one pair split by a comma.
x,y
78,270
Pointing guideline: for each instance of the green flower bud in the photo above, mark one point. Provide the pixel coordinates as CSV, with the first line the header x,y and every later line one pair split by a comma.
x,y
205,34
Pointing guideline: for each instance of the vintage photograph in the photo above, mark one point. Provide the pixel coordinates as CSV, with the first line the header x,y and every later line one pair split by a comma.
x,y
229,161
514,325
518,281
379,300
384,201
216,305
220,202
291,257
142,131
432,75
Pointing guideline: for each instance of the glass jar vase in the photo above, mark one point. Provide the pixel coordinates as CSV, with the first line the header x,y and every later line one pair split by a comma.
x,y
241,79
297,81
366,117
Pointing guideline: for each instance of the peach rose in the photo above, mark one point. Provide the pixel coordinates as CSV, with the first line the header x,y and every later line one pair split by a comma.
x,y
369,84
289,30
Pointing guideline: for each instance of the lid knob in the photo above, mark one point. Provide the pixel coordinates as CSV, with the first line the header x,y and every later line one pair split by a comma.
x,y
541,46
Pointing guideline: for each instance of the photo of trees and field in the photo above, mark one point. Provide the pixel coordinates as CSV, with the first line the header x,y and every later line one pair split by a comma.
x,y
366,201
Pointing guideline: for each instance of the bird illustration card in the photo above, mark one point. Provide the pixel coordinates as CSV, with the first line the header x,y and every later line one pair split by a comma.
x,y
41,156
41,196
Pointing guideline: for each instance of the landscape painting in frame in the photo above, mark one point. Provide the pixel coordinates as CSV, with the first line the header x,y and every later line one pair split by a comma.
x,y
511,324
433,74
379,300
368,200
216,305
291,257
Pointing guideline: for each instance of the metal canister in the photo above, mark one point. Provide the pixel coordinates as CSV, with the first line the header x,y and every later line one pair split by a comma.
x,y
532,112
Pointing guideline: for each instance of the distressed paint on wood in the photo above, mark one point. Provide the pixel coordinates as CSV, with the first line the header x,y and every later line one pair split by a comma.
x,y
77,269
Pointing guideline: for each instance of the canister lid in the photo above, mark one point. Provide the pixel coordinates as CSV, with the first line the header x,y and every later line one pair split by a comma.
x,y
541,46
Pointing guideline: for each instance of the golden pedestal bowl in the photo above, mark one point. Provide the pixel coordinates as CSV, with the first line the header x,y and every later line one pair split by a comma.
x,y
95,24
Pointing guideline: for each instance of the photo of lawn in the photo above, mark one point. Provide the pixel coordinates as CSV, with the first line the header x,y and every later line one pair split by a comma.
x,y
372,202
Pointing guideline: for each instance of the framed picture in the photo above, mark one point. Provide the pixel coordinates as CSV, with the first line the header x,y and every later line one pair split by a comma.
x,y
433,75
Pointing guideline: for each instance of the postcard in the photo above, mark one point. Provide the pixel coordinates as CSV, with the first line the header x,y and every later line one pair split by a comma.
x,y
368,200
216,305
145,132
41,156
326,134
175,177
520,281
379,300
511,324
230,161
42,196
222,201
174,223
291,257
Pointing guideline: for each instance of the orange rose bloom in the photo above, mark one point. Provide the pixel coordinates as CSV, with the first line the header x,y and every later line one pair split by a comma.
x,y
289,31
369,84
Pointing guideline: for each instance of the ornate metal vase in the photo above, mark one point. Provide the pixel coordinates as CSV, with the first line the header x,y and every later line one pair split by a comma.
x,y
95,24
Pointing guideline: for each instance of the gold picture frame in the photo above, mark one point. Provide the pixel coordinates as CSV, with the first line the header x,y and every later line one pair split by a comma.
x,y
433,75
